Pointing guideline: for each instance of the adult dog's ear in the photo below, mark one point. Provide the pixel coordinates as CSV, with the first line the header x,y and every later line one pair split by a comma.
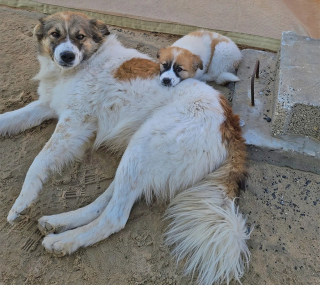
x,y
197,62
102,27
38,29
159,52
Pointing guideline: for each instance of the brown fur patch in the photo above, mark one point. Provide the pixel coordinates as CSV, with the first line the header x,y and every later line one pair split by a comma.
x,y
67,15
167,54
235,172
137,68
198,33
214,43
188,61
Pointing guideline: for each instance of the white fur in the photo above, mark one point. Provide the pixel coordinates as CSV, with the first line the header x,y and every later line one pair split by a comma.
x,y
67,46
171,141
209,232
225,59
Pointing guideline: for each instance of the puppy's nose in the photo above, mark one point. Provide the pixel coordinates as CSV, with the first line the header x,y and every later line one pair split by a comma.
x,y
166,81
67,56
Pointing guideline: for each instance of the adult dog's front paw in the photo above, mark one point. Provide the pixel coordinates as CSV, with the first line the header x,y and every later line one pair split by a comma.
x,y
21,206
60,244
17,213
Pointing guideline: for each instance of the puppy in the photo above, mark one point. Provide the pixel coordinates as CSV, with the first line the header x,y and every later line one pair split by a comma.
x,y
203,55
183,144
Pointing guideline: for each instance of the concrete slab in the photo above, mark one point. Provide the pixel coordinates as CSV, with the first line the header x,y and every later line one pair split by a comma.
x,y
296,152
297,104
283,205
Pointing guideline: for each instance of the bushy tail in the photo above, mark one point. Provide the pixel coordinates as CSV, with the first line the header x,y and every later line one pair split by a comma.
x,y
207,230
226,77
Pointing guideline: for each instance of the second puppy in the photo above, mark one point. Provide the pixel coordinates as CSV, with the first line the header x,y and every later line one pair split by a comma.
x,y
203,55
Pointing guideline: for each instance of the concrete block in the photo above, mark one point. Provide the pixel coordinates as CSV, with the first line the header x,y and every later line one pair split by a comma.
x,y
297,102
298,152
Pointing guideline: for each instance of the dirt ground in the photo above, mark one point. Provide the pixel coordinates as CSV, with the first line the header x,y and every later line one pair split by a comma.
x,y
283,204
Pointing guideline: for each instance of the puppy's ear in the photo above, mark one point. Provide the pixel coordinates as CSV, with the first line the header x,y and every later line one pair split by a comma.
x,y
102,27
197,62
38,29
159,52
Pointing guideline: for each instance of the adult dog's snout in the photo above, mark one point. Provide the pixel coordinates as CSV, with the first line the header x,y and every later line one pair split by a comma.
x,y
67,56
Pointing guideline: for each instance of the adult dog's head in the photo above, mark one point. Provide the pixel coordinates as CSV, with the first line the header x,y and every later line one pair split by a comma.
x,y
69,38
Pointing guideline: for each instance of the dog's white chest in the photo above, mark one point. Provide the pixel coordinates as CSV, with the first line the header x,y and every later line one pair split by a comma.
x,y
61,94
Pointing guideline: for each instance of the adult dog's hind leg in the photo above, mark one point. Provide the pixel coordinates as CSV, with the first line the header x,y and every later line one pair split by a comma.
x,y
66,144
112,220
29,116
127,189
77,218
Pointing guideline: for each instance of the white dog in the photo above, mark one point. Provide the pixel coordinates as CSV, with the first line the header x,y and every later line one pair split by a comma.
x,y
179,143
203,55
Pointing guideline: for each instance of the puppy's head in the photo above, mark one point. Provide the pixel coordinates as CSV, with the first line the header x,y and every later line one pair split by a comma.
x,y
177,64
69,38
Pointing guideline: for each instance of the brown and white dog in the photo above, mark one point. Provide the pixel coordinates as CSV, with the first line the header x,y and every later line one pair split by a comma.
x,y
202,55
183,144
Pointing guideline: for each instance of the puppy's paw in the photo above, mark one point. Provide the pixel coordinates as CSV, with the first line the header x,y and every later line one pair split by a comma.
x,y
60,244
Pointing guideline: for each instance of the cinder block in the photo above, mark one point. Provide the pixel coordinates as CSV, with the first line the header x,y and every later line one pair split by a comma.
x,y
298,152
297,97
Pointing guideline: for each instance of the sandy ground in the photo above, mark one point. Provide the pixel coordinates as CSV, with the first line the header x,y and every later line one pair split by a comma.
x,y
283,204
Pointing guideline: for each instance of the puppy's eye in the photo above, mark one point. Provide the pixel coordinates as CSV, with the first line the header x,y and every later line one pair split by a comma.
x,y
55,34
80,37
178,69
165,65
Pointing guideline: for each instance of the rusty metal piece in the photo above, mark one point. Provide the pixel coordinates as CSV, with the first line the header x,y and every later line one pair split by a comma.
x,y
254,74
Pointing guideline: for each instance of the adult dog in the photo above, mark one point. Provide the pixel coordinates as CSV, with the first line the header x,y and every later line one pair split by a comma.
x,y
181,143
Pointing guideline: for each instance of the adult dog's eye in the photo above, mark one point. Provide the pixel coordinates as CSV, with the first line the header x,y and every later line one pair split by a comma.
x,y
55,34
178,69
80,37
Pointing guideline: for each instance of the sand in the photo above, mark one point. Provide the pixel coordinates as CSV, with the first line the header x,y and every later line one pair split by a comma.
x,y
283,204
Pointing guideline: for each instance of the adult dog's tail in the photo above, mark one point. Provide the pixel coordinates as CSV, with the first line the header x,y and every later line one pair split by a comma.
x,y
208,231
206,228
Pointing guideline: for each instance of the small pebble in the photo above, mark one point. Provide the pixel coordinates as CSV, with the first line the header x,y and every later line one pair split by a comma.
x,y
268,119
242,123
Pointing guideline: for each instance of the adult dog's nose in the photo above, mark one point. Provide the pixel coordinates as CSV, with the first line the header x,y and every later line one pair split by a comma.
x,y
166,81
67,56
